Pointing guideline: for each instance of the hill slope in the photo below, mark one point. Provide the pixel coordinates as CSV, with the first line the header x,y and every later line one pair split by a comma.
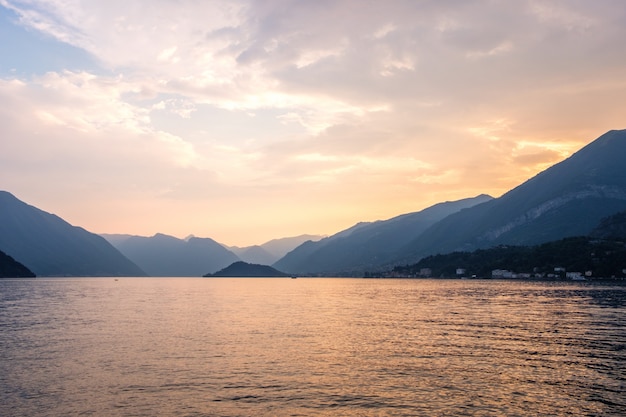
x,y
366,245
49,246
612,227
568,199
272,251
10,268
602,258
167,256
254,254
243,269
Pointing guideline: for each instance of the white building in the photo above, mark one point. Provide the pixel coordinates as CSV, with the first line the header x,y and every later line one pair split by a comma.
x,y
503,273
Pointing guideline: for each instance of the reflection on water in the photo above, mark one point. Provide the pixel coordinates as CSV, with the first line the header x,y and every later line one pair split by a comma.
x,y
310,347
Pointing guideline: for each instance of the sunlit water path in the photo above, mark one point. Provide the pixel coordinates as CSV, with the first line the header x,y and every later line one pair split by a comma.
x,y
311,347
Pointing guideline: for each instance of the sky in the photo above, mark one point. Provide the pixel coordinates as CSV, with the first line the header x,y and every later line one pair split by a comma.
x,y
248,120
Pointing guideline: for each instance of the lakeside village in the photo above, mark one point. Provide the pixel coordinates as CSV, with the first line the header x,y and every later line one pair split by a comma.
x,y
574,259
559,273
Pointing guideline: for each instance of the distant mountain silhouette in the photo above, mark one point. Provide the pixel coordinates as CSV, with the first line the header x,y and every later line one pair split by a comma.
x,y
10,268
167,256
49,246
568,199
270,252
243,269
115,239
367,245
255,255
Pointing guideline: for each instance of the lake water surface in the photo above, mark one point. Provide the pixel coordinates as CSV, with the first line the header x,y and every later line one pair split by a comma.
x,y
311,347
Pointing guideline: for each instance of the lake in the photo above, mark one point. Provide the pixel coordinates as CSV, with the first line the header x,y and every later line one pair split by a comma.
x,y
311,347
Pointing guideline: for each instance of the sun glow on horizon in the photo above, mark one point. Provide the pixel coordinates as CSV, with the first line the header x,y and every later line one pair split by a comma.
x,y
245,121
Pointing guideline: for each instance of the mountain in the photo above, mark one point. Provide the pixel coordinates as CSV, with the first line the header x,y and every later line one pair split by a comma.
x,y
49,246
568,199
10,268
368,245
115,239
167,256
255,255
280,247
612,227
602,258
243,269
272,251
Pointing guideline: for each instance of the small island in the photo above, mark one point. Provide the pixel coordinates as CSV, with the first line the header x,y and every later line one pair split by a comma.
x,y
246,270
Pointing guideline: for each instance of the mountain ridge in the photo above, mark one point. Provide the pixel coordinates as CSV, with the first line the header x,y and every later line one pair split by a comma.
x,y
611,227
10,268
271,251
567,199
366,245
162,255
50,246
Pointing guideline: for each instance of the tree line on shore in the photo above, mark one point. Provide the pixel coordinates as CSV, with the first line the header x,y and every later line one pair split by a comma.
x,y
598,258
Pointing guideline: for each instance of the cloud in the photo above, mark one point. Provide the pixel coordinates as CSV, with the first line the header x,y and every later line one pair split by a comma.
x,y
74,121
544,158
292,54
361,103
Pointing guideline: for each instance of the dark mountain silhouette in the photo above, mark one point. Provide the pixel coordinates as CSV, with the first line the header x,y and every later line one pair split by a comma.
x,y
568,199
367,245
612,227
599,257
272,251
167,256
49,246
243,269
10,268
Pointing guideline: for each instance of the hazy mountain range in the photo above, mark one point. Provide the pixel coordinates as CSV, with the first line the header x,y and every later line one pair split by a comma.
x,y
50,246
368,245
601,254
569,199
272,251
163,255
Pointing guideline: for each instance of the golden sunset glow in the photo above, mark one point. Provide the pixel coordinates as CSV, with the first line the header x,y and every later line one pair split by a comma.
x,y
245,121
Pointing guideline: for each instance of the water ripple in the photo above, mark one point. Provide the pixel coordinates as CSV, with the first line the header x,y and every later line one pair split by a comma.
x,y
322,347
